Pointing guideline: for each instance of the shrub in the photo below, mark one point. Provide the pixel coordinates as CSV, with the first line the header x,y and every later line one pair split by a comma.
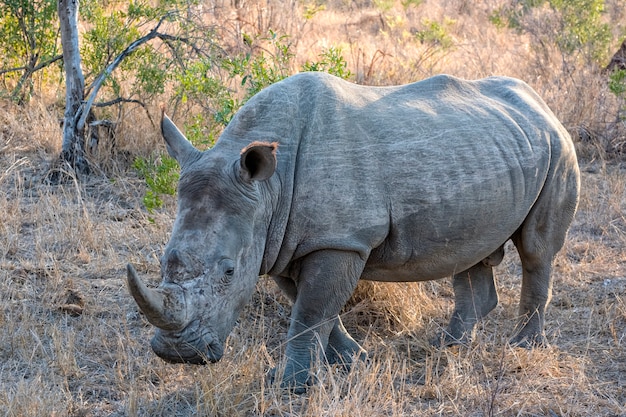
x,y
29,42
574,26
161,175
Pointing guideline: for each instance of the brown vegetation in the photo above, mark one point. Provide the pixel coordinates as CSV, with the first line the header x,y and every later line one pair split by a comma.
x,y
72,342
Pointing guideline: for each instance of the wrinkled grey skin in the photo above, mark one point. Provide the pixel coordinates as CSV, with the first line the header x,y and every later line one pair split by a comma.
x,y
408,183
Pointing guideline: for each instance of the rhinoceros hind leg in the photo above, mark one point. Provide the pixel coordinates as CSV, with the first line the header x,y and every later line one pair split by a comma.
x,y
538,240
536,294
475,295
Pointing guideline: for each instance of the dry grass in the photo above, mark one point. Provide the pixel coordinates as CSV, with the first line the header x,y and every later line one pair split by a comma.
x,y
72,342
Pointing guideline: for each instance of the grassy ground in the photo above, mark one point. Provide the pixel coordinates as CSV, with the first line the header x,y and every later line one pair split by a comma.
x,y
72,342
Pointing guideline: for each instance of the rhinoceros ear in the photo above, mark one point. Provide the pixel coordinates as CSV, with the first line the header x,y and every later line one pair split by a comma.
x,y
258,161
178,146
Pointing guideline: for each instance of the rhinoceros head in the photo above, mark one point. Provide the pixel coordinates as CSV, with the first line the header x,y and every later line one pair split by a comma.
x,y
212,260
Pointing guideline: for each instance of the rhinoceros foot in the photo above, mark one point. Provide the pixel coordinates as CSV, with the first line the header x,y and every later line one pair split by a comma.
x,y
345,358
296,381
342,349
529,331
445,339
529,340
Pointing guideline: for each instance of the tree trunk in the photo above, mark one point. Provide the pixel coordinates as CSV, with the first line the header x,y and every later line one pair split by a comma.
x,y
73,147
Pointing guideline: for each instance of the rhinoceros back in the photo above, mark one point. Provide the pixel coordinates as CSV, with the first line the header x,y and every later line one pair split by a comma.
x,y
423,180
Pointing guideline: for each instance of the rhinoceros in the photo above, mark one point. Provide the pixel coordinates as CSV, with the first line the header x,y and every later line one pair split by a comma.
x,y
319,182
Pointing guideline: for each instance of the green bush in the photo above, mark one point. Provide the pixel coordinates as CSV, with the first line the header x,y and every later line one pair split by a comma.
x,y
161,175
29,42
435,33
330,61
617,85
257,71
578,29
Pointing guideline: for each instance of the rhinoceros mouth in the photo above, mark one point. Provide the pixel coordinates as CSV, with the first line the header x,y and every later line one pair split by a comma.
x,y
174,348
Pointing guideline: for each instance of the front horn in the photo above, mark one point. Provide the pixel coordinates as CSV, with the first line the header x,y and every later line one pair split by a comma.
x,y
165,310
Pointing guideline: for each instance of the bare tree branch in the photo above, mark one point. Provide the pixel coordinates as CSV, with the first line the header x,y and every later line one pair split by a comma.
x,y
125,100
117,101
95,86
5,71
154,33
48,62
34,69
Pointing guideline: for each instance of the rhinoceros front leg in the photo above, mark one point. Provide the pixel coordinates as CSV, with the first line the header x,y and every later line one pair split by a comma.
x,y
341,348
475,295
326,281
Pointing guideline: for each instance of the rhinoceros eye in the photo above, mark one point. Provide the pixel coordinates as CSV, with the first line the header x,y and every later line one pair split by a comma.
x,y
228,268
